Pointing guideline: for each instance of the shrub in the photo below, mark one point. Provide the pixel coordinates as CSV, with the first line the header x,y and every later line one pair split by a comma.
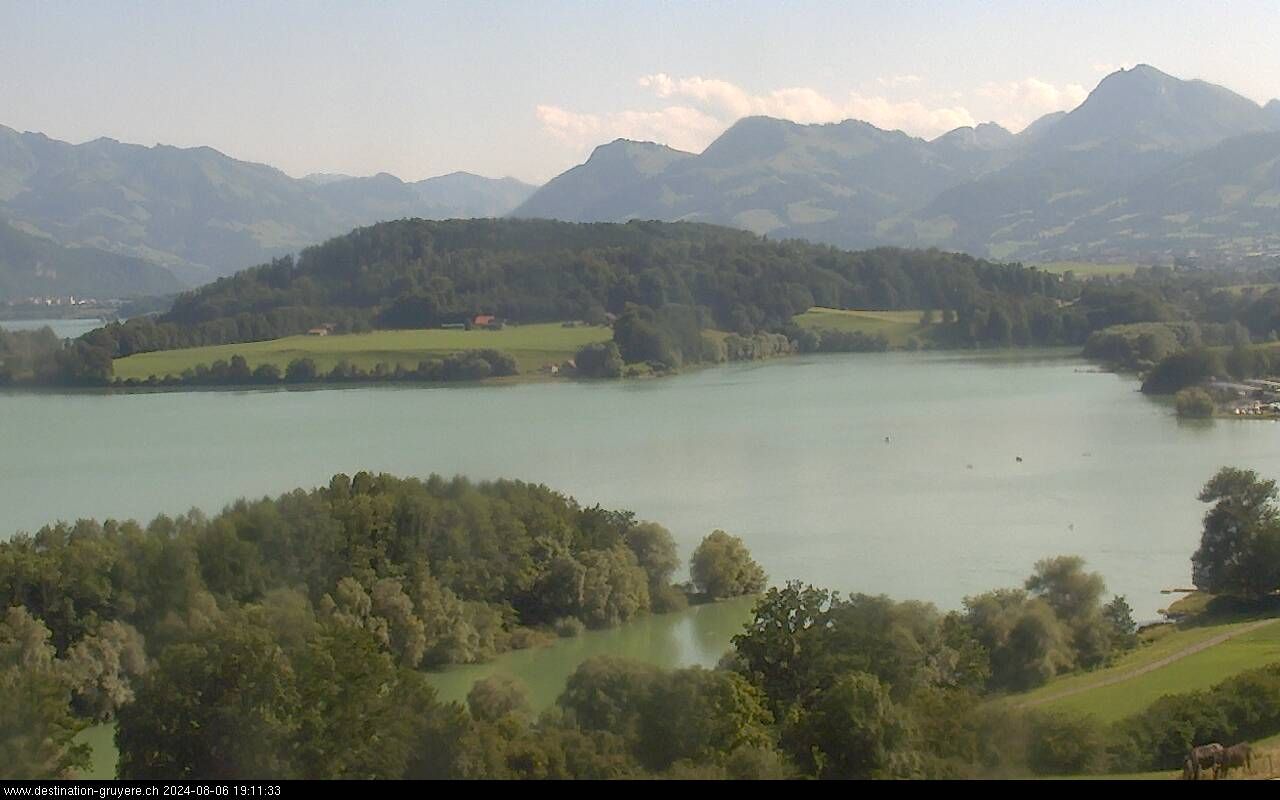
x,y
1194,402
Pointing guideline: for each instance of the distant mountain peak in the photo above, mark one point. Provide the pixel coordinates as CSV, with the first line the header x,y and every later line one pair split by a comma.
x,y
984,136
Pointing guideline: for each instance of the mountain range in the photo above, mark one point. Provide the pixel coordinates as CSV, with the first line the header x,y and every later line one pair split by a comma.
x,y
201,214
1149,167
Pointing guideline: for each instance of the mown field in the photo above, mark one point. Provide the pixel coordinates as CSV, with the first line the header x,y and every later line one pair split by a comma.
x,y
531,345
897,326
1198,670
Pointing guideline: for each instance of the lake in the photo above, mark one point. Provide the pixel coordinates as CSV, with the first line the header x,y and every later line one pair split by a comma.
x,y
790,454
65,328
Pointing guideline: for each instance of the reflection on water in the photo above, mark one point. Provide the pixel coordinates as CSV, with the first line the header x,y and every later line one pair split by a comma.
x,y
698,636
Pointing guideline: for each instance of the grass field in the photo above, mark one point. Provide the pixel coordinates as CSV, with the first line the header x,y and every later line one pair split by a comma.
x,y
1196,671
531,345
1084,269
897,326
102,742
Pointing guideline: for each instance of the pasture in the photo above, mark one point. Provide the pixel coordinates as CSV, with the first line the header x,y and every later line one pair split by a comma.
x,y
531,346
897,326
1176,661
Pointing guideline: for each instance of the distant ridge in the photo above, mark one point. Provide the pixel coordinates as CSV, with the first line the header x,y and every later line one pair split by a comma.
x,y
201,213
1072,184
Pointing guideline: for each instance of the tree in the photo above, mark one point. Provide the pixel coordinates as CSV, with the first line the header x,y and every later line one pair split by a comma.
x,y
1194,402
614,586
222,706
103,666
700,715
607,693
1026,641
772,649
722,566
300,370
1181,370
37,728
1076,599
599,360
1239,551
852,730
360,716
655,549
497,696
1119,617
1062,744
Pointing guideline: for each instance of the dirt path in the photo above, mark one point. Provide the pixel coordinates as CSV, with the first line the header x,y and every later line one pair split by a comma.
x,y
1154,665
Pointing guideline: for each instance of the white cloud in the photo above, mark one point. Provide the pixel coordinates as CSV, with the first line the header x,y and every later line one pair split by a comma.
x,y
730,102
700,109
1018,103
681,127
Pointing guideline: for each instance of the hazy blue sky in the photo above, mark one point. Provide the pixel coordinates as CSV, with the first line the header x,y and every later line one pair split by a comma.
x,y
527,88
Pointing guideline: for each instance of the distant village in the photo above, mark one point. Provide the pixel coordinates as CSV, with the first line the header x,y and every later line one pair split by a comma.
x,y
59,307
60,301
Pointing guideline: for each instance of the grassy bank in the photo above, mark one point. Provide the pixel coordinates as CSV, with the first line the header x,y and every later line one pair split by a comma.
x,y
896,326
1198,670
531,345
103,754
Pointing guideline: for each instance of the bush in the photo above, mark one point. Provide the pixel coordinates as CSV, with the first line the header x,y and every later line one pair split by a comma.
x,y
1195,403
1182,370
599,360
1241,708
300,370
1065,745
668,598
568,627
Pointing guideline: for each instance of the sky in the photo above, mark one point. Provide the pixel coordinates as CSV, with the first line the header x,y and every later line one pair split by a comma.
x,y
527,89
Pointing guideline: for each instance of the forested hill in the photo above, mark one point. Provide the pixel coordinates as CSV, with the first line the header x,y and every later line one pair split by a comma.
x,y
415,273
671,279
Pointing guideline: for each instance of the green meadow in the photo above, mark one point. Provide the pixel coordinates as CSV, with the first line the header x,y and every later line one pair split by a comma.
x,y
897,326
531,345
1198,670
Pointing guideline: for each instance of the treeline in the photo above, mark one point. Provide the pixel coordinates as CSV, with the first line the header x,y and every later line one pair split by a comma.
x,y
1175,355
470,365
40,357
